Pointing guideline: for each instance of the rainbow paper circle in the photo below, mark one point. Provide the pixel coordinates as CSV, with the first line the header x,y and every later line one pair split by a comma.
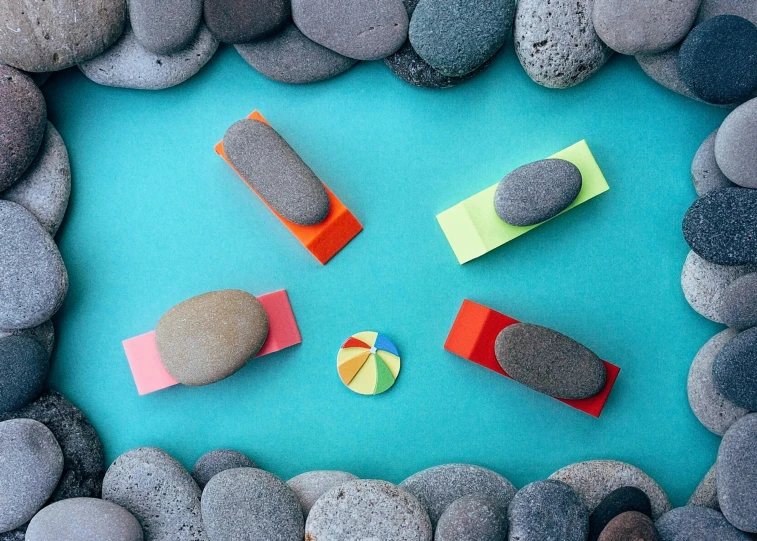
x,y
368,363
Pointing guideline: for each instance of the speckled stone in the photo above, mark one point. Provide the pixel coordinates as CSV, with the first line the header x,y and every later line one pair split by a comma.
x,y
734,145
45,187
549,362
663,69
248,504
593,480
694,523
439,486
23,370
705,172
643,26
127,64
713,8
291,57
706,493
33,278
276,172
23,114
51,36
241,21
556,42
31,463
165,26
630,526
84,519
209,337
159,492
361,29
537,191
713,410
619,501
214,462
472,518
736,474
310,486
43,333
739,303
366,509
734,370
547,511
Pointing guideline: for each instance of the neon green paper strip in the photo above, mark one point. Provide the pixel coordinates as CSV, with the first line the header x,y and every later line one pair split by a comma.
x,y
473,228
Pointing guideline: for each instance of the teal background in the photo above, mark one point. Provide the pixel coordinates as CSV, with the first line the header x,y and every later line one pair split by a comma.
x,y
156,217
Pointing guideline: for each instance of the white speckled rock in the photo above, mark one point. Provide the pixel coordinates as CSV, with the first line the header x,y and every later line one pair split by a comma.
x,y
705,172
84,519
706,493
310,486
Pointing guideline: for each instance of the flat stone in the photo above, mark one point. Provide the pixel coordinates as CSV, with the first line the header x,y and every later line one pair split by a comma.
x,y
536,192
212,463
23,115
366,509
457,37
713,410
165,26
159,492
689,523
663,69
617,502
310,486
630,526
241,21
46,36
33,278
706,493
249,504
84,519
736,138
705,172
736,474
291,57
439,486
556,42
734,370
83,459
276,172
360,29
547,511
31,463
209,337
472,518
127,64
549,362
739,303
593,480
43,333
23,370
45,187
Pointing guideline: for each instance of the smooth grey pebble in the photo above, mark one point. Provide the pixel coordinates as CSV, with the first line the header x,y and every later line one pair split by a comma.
x,y
165,26
214,462
705,172
694,523
23,371
43,333
739,309
706,493
310,486
734,370
474,517
736,474
735,144
84,519
547,511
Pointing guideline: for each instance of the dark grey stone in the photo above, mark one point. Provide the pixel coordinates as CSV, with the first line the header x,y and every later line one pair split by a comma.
x,y
474,517
740,303
240,21
690,523
547,511
291,57
706,493
165,26
549,362
84,519
734,145
214,462
536,192
619,501
735,370
33,278
705,172
23,370
43,333
276,172
310,486
736,474
411,68
630,526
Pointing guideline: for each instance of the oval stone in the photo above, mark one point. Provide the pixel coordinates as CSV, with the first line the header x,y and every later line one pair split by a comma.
x,y
248,503
735,144
735,370
690,522
84,519
739,308
23,370
619,501
209,337
549,362
240,21
705,171
628,526
310,486
713,8
33,278
165,26
276,172
472,518
43,333
706,493
663,69
211,464
547,510
736,474
537,191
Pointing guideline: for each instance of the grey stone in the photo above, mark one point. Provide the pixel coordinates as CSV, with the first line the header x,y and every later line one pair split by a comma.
x,y
458,36
23,370
663,69
241,21
630,526
619,501
472,518
643,26
713,8
43,333
706,493
361,29
705,172
366,509
736,474
691,522
31,463
593,480
51,36
159,492
537,191
439,486
127,64
411,68
291,57
33,278
214,462
45,187
734,145
23,114
547,511
310,486
248,504
549,362
739,303
713,410
165,26
556,42
276,172
84,519
734,370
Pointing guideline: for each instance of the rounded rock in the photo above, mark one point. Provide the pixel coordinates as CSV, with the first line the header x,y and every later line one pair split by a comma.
x,y
734,370
663,69
547,511
734,145
706,493
84,519
630,526
705,172
23,370
619,501
43,333
241,21
165,26
411,68
688,523
214,462
713,8
310,486
739,303
472,518
736,474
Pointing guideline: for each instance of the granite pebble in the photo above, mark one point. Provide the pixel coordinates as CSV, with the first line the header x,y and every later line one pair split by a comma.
x,y
736,474
310,486
619,501
43,333
705,172
630,526
693,523
706,493
165,26
242,21
23,370
369,510
84,519
735,144
547,511
663,69
214,462
472,518
734,370
739,303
